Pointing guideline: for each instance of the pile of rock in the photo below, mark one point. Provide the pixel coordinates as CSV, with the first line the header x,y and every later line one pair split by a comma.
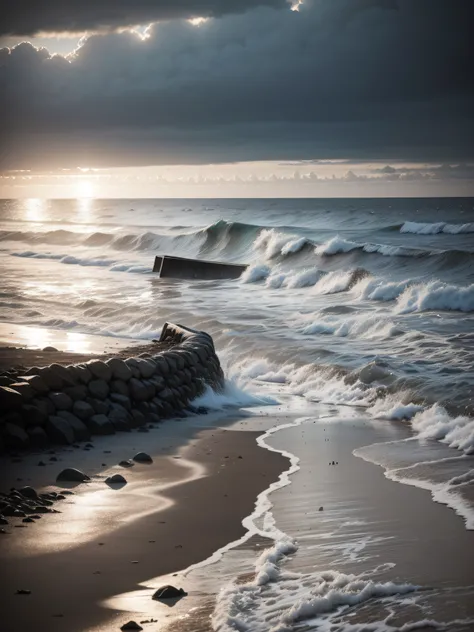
x,y
28,504
65,404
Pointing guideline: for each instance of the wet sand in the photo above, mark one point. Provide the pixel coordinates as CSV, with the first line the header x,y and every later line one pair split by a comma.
x,y
22,347
200,514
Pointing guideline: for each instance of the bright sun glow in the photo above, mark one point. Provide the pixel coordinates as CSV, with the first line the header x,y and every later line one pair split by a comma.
x,y
84,189
296,5
198,21
35,209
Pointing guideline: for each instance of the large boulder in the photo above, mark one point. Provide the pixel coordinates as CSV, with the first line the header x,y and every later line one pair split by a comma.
x,y
158,382
138,390
120,370
45,405
146,367
119,386
100,425
166,395
81,432
116,479
62,372
59,430
83,410
169,592
70,474
142,457
15,437
37,436
132,364
162,367
25,390
77,392
123,400
61,401
98,388
138,419
100,370
119,417
36,382
83,373
10,399
33,415
51,378
100,406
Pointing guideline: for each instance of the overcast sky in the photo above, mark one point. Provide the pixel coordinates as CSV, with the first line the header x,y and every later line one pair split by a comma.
x,y
362,85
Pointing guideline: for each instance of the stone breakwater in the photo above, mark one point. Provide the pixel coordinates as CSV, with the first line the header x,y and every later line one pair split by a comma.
x,y
66,404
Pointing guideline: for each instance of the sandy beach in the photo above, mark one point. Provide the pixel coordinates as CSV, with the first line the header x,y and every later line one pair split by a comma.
x,y
173,513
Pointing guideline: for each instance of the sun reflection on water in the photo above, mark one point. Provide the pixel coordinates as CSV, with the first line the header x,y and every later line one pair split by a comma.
x,y
35,210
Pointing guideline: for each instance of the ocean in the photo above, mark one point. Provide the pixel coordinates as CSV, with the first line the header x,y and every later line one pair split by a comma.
x,y
359,311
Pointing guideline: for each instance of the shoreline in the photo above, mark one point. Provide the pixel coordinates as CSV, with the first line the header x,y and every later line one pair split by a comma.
x,y
162,541
22,346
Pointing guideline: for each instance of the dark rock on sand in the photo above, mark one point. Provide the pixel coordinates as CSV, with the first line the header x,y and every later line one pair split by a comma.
x,y
120,370
116,479
131,625
29,492
142,457
82,410
15,437
61,401
169,592
81,432
36,382
59,430
25,390
100,425
33,415
10,399
100,370
127,463
38,436
99,389
72,475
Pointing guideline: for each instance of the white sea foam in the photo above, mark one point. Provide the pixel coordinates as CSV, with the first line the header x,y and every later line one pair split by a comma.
x,y
303,278
274,243
335,246
294,245
255,273
232,396
333,282
462,479
338,245
380,290
436,423
361,326
420,228
276,600
85,261
436,295
392,408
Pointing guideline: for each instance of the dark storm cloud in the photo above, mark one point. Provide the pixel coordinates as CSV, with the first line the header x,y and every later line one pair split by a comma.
x,y
27,17
354,79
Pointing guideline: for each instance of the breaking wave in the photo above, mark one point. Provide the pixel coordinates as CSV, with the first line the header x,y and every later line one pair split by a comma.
x,y
84,261
434,228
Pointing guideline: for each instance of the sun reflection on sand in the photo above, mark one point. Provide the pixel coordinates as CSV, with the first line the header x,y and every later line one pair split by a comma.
x,y
98,509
